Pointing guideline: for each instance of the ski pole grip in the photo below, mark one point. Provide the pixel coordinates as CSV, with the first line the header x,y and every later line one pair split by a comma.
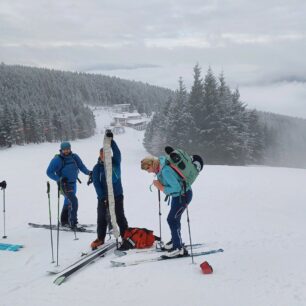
x,y
48,187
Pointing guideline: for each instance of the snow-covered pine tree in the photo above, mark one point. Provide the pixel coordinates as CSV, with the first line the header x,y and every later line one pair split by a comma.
x,y
196,107
180,124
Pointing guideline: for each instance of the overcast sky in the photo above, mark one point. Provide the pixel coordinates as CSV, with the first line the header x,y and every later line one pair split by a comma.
x,y
259,45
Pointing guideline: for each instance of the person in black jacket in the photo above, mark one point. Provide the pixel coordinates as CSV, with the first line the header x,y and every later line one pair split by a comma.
x,y
99,181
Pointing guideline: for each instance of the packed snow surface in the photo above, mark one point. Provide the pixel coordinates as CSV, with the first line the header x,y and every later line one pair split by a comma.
x,y
256,214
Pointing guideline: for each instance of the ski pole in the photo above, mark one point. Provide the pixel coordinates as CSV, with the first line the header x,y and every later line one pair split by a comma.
x,y
159,213
58,222
4,235
48,192
75,235
188,221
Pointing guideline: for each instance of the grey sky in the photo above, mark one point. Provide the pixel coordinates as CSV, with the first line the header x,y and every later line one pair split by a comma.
x,y
260,45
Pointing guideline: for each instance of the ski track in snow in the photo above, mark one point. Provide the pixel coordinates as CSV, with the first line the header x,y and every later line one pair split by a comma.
x,y
256,214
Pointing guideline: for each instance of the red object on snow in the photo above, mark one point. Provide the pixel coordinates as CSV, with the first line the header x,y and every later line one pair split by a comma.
x,y
206,268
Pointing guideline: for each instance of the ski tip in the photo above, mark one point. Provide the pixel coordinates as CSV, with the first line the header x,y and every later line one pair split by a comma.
x,y
117,264
59,280
221,250
53,272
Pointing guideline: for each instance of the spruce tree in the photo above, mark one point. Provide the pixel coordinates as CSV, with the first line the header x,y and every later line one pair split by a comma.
x,y
196,107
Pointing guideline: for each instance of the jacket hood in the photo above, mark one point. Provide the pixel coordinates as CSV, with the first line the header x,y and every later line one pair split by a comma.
x,y
162,161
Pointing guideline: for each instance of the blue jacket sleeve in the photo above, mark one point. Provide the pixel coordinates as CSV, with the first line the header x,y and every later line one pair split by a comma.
x,y
80,164
172,184
54,166
116,153
97,182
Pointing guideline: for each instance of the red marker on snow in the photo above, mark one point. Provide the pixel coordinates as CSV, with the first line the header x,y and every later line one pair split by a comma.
x,y
206,268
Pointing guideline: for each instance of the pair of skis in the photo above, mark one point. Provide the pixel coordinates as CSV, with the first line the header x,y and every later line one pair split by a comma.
x,y
83,262
125,263
85,227
155,249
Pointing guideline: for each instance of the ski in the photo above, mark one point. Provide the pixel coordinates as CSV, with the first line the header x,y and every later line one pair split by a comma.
x,y
83,256
67,272
120,253
10,247
109,181
119,263
63,228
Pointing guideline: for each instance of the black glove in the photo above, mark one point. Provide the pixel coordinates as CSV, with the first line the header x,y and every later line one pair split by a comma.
x,y
64,180
90,180
109,134
3,184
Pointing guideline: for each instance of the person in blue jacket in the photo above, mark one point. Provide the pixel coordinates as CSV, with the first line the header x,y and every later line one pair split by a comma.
x,y
99,181
169,182
64,169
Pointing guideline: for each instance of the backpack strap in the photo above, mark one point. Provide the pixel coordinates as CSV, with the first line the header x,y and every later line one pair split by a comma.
x,y
63,163
180,174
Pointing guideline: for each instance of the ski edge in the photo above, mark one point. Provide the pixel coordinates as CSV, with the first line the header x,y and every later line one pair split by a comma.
x,y
116,264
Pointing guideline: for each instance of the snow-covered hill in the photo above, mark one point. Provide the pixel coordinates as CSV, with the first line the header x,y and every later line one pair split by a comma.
x,y
256,214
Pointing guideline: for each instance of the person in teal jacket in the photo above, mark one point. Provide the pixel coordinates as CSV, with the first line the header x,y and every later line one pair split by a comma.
x,y
169,182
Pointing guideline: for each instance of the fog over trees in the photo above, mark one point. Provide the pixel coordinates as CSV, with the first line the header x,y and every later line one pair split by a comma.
x,y
212,121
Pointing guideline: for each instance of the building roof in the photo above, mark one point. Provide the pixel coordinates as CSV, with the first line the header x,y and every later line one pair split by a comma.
x,y
126,115
136,121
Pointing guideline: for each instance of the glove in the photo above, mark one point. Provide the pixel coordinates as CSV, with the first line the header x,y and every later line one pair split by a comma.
x,y
90,180
64,180
103,201
109,134
3,184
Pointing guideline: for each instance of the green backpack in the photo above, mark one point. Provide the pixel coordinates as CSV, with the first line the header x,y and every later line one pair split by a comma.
x,y
186,166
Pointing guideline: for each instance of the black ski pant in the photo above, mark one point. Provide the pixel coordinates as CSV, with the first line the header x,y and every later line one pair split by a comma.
x,y
103,217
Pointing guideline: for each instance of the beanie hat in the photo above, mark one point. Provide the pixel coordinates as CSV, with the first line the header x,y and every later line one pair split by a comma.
x,y
65,145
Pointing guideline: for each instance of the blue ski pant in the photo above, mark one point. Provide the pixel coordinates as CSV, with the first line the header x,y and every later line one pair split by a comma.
x,y
70,208
178,206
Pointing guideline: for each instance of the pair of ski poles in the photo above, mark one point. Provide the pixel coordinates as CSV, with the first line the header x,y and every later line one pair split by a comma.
x,y
160,230
58,224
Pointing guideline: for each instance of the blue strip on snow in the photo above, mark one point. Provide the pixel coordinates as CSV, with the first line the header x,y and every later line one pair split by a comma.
x,y
10,247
